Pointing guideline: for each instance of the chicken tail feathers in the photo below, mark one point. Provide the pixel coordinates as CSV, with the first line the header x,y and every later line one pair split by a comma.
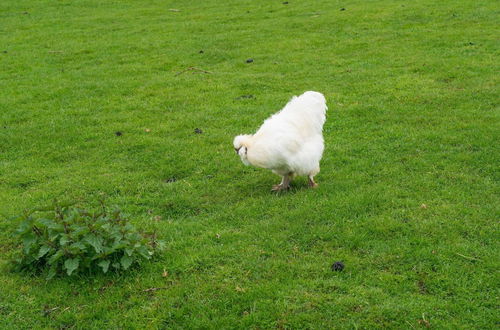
x,y
310,107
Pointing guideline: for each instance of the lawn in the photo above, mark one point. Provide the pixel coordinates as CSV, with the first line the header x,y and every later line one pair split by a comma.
x,y
96,99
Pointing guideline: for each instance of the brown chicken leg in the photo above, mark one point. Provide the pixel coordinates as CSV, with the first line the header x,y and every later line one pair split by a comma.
x,y
312,184
285,183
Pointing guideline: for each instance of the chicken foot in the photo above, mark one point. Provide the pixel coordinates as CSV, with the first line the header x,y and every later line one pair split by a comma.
x,y
285,183
312,184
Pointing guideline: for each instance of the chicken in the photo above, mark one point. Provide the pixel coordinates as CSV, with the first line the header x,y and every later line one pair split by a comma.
x,y
290,142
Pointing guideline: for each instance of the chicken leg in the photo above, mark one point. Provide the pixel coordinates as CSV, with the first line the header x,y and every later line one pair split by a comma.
x,y
285,183
312,184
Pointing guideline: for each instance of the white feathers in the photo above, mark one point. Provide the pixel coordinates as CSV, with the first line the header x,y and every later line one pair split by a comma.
x,y
290,142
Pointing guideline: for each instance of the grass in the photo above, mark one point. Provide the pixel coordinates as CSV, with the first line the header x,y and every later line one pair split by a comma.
x,y
408,195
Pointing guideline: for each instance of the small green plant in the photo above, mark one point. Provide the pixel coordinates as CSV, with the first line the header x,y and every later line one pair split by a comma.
x,y
72,240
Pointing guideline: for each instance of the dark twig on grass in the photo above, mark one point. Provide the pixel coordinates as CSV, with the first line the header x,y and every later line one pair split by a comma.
x,y
192,68
468,258
47,311
153,289
248,96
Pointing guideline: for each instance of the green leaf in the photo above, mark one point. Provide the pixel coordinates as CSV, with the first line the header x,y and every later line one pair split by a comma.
x,y
56,256
28,241
104,264
52,272
25,226
119,245
108,250
143,251
71,265
50,224
129,251
80,231
126,261
53,236
46,222
95,241
43,251
79,245
64,240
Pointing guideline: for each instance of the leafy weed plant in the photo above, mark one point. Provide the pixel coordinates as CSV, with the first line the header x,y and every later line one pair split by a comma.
x,y
72,240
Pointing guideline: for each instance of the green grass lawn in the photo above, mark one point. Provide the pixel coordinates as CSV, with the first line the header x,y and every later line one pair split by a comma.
x,y
408,192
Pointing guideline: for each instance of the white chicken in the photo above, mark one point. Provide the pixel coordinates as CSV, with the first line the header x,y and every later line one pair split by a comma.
x,y
290,142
